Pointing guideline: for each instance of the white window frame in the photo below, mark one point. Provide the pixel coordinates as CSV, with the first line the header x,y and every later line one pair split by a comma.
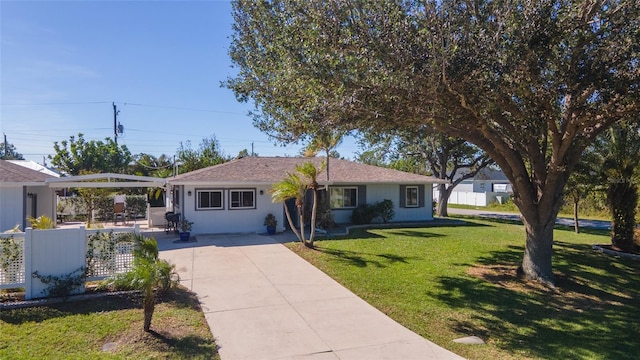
x,y
342,196
199,191
408,203
240,207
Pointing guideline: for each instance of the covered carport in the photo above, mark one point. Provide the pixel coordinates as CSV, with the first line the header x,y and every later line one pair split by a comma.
x,y
111,180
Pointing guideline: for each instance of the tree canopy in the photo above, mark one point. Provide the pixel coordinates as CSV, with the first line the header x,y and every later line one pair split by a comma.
x,y
530,83
79,156
207,154
8,152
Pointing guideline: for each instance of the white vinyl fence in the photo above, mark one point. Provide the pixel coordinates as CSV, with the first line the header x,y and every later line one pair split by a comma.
x,y
36,260
477,199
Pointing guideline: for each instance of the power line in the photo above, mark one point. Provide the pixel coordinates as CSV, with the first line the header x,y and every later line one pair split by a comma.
x,y
183,108
125,104
58,103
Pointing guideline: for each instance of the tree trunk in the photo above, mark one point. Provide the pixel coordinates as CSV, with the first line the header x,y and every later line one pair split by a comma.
x,y
443,200
576,225
623,199
313,218
537,261
301,219
293,227
148,305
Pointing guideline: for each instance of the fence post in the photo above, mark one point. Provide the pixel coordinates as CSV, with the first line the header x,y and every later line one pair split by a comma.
x,y
82,233
28,263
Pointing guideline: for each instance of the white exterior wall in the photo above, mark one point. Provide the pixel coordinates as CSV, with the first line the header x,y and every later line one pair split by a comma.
x,y
228,220
12,202
464,187
46,201
378,193
10,208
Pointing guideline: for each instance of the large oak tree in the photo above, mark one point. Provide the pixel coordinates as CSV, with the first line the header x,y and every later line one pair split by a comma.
x,y
532,83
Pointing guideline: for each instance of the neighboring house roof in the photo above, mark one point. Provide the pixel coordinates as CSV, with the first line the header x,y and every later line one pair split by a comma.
x,y
487,174
35,166
16,175
252,170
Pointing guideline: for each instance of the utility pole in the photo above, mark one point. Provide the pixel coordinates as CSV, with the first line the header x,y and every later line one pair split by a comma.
x,y
115,122
4,157
252,153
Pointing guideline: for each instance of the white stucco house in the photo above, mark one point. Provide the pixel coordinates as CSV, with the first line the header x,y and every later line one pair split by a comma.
x,y
234,196
489,185
24,192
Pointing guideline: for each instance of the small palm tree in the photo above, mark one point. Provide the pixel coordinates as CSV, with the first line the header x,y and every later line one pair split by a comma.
x,y
149,274
295,186
310,174
291,187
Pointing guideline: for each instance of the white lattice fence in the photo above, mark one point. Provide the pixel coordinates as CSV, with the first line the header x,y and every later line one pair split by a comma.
x,y
12,260
108,253
28,258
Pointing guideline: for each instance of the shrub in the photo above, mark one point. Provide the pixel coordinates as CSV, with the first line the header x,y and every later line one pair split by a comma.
x,y
364,214
384,209
324,216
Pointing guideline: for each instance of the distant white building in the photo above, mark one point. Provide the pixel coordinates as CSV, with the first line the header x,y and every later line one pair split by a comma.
x,y
489,185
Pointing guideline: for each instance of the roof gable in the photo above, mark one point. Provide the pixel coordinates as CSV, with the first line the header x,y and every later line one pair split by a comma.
x,y
12,173
274,169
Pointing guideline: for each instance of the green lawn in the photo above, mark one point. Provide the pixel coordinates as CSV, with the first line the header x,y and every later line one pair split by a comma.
x,y
446,282
78,330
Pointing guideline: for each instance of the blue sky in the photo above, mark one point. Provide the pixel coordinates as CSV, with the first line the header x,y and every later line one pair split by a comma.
x,y
63,63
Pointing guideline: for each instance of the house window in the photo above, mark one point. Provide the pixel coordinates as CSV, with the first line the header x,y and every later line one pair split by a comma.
x,y
343,197
411,196
242,199
209,200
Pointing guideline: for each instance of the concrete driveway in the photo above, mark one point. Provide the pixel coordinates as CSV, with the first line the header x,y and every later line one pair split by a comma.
x,y
262,301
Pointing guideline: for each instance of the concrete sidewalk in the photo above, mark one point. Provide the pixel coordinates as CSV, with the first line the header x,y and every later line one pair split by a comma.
x,y
262,301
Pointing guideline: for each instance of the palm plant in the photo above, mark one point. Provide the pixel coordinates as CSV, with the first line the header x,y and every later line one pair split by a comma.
x,y
295,186
310,174
149,274
622,147
42,222
291,187
325,140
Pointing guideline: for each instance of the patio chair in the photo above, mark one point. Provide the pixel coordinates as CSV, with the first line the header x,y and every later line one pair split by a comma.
x,y
118,212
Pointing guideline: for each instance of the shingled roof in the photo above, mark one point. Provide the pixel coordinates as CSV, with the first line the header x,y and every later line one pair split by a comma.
x,y
255,170
12,174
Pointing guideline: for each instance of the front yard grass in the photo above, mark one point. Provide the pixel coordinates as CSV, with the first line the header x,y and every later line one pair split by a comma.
x,y
79,330
452,281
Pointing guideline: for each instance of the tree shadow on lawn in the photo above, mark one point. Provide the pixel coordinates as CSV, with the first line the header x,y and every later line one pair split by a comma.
x,y
41,313
362,259
402,229
594,311
179,297
186,346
